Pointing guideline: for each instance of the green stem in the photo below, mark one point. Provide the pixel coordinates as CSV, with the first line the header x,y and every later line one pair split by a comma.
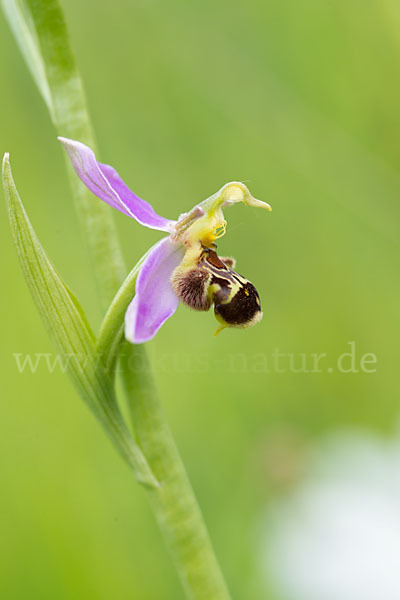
x,y
173,502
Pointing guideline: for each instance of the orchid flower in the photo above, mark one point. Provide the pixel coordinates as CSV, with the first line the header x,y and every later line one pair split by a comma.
x,y
184,265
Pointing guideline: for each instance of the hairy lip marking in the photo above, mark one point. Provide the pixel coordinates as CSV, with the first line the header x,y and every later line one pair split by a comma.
x,y
211,281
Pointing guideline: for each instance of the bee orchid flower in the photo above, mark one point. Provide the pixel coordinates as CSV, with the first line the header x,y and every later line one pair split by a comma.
x,y
183,266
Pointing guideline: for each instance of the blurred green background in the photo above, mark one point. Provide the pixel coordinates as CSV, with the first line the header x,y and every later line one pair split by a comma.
x,y
300,100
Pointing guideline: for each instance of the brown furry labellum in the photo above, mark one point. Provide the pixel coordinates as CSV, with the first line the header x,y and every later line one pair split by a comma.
x,y
212,280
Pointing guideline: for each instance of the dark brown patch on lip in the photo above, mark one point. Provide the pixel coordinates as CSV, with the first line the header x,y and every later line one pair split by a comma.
x,y
213,259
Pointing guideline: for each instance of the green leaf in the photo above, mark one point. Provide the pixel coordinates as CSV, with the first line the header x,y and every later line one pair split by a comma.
x,y
67,326
40,31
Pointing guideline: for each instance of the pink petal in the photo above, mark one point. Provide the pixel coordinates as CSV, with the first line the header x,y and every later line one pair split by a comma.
x,y
105,183
154,301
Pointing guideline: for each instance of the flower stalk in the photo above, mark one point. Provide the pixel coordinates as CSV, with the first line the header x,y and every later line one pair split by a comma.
x,y
173,502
